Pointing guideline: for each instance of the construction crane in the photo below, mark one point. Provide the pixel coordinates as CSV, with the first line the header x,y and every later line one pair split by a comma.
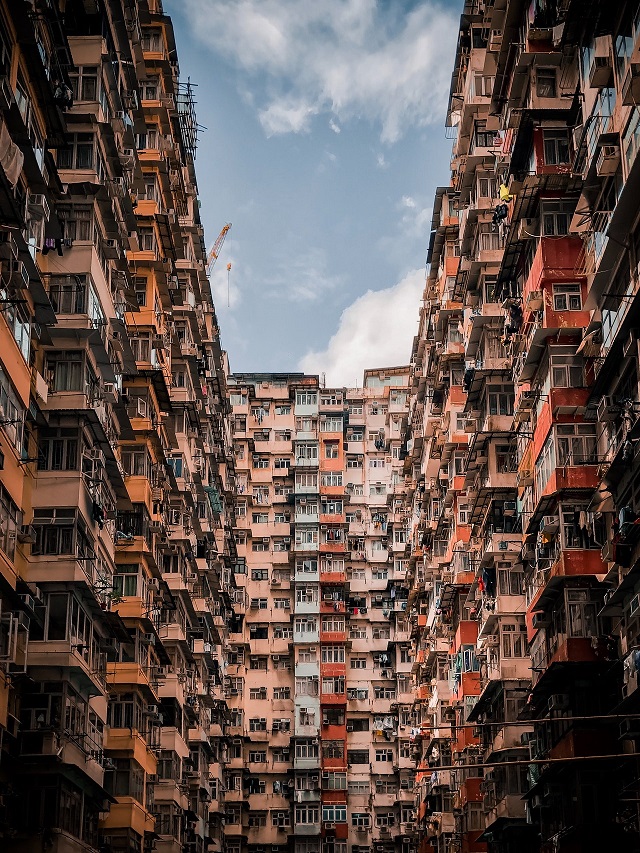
x,y
212,257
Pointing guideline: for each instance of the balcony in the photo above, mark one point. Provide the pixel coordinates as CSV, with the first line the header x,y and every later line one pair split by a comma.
x,y
74,660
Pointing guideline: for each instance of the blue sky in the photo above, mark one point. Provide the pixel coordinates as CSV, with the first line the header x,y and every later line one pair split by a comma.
x,y
324,145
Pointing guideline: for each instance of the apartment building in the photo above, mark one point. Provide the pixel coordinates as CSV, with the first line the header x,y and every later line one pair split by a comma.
x,y
521,441
117,473
321,693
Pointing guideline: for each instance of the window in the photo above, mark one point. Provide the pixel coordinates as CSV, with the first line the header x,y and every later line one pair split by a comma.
x,y
333,624
306,452
257,662
282,604
384,755
546,83
359,724
556,147
332,478
567,297
306,535
555,216
306,749
500,400
513,639
333,654
331,450
334,813
258,693
482,137
10,519
306,398
282,693
79,154
261,462
126,780
256,819
334,684
281,463
385,819
306,594
334,782
257,724
331,425
280,818
567,372
358,756
307,814
59,447
258,756
306,686
577,444
283,410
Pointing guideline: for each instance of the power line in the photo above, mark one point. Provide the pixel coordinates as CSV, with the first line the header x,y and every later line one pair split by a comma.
x,y
502,724
526,762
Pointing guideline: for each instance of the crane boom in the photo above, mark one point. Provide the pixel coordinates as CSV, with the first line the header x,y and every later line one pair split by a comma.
x,y
212,257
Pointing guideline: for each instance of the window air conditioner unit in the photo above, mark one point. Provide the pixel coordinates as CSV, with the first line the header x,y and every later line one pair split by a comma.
x,y
559,702
608,160
528,229
608,410
541,620
38,206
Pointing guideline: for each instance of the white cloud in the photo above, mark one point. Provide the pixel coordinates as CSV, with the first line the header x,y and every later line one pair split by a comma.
x,y
381,161
374,331
334,127
344,58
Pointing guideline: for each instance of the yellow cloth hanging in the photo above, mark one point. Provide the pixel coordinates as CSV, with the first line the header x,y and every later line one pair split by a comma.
x,y
505,195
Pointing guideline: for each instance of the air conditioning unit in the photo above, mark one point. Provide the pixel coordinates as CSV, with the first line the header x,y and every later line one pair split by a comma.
x,y
27,534
541,620
631,85
524,477
608,160
38,206
510,507
495,40
558,702
151,710
608,410
528,229
600,71
550,524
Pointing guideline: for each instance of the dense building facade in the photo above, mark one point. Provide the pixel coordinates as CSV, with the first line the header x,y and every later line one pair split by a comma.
x,y
522,441
248,613
322,696
117,524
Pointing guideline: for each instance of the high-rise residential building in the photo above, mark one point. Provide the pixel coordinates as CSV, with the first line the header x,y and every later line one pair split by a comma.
x,y
246,613
522,441
321,693
116,473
